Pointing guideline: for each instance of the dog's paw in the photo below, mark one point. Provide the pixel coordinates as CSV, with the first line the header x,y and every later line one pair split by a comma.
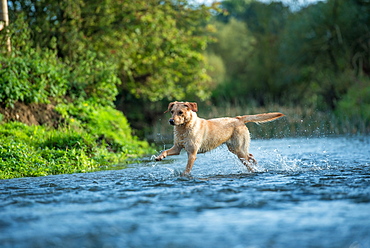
x,y
185,174
251,159
160,157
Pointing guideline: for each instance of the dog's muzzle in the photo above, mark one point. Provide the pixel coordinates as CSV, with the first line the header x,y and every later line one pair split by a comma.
x,y
171,121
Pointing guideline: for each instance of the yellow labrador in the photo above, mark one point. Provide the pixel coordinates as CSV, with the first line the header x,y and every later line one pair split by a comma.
x,y
197,135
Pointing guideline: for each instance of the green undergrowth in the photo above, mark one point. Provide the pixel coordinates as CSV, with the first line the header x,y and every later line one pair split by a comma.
x,y
91,135
93,138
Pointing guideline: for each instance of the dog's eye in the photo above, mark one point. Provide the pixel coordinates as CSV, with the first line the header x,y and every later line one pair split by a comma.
x,y
171,111
180,112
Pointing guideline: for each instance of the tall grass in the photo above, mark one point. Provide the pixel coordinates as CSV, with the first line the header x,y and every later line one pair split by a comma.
x,y
298,122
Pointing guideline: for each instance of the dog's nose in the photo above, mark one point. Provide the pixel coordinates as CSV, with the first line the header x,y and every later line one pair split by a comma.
x,y
171,121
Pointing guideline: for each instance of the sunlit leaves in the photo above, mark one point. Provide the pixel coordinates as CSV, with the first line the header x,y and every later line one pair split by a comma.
x,y
155,44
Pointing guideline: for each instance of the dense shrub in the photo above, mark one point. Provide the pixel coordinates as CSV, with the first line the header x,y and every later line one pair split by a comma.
x,y
32,77
37,151
355,106
92,135
93,79
108,126
38,76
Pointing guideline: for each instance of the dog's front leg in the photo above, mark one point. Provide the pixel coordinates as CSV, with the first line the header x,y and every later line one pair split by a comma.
x,y
192,156
175,150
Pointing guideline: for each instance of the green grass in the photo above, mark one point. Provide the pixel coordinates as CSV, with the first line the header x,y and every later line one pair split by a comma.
x,y
30,151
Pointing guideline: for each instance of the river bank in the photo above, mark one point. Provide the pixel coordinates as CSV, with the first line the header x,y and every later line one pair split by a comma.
x,y
86,138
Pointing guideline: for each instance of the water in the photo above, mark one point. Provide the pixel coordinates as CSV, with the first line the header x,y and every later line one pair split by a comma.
x,y
308,193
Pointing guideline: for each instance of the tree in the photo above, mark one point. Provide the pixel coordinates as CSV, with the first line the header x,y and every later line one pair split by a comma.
x,y
325,48
311,56
4,22
257,63
234,47
157,45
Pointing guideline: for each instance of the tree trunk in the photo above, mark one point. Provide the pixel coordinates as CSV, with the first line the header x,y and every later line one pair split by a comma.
x,y
4,22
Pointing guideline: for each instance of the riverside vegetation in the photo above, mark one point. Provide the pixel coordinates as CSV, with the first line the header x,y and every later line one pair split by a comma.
x,y
78,61
85,132
93,139
73,59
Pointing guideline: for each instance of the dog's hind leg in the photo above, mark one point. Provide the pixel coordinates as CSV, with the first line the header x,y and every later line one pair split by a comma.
x,y
239,145
251,159
246,158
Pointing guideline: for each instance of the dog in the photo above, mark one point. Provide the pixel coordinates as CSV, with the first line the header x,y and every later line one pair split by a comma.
x,y
197,135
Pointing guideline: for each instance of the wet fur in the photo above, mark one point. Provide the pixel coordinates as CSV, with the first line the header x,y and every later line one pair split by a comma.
x,y
197,135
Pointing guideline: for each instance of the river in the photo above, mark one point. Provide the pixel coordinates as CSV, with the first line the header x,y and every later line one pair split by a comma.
x,y
308,192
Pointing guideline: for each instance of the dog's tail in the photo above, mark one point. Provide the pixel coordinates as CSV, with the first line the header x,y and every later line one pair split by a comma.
x,y
261,118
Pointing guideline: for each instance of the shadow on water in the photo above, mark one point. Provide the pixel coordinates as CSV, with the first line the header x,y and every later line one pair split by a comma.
x,y
307,193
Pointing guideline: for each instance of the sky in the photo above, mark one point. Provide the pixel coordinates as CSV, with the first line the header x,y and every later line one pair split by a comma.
x,y
288,2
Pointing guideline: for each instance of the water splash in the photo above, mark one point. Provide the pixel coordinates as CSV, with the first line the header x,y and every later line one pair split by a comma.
x,y
281,155
275,160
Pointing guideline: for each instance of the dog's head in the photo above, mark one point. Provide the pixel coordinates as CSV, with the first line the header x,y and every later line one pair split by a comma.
x,y
181,112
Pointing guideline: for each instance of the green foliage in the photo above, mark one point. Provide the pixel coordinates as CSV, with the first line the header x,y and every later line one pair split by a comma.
x,y
322,47
163,53
235,44
94,135
218,70
29,74
27,151
157,48
28,78
23,153
234,48
38,76
18,159
248,42
93,80
35,75
67,140
309,57
355,105
108,126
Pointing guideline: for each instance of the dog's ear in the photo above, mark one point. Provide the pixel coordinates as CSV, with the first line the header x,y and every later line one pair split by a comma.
x,y
170,106
192,106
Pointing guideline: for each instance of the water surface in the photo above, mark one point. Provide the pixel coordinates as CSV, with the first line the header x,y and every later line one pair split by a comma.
x,y
308,192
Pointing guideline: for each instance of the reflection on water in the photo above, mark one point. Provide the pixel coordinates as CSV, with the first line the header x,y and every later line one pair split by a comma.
x,y
307,193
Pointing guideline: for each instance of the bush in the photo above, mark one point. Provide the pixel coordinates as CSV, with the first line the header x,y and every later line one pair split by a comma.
x,y
93,80
38,76
108,126
27,151
93,135
355,107
32,78
35,75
